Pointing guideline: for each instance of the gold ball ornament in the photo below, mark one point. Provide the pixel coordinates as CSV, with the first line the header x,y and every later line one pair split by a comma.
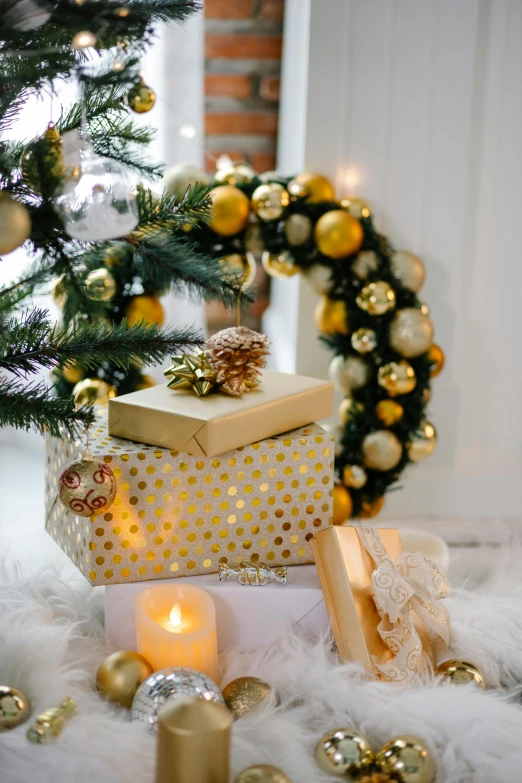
x,y
93,391
423,442
45,151
369,510
364,340
389,412
73,373
436,358
356,207
376,298
58,291
457,672
254,238
115,254
381,450
354,476
178,178
337,234
407,759
342,505
230,209
120,675
100,285
15,224
145,308
365,262
245,265
348,409
397,377
298,229
245,694
87,487
262,773
141,98
319,277
280,265
409,269
349,373
313,187
344,752
15,708
331,316
270,201
235,174
411,332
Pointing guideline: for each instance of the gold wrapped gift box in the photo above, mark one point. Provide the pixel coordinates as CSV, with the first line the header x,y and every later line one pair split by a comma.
x,y
177,515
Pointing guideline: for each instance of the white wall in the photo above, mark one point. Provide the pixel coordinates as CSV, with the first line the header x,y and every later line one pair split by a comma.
x,y
416,105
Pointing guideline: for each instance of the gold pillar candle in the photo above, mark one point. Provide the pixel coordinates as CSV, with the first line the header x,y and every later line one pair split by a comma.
x,y
176,626
193,742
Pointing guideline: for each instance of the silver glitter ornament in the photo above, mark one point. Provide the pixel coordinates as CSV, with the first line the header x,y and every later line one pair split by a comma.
x,y
173,683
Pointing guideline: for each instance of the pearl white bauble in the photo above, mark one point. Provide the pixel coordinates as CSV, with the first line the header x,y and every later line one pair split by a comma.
x,y
348,373
408,269
411,332
365,263
178,178
319,277
381,450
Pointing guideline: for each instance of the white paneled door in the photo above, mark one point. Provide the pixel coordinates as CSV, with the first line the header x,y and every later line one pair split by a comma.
x,y
416,105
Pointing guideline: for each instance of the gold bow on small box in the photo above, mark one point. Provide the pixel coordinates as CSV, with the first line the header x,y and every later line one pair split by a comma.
x,y
192,371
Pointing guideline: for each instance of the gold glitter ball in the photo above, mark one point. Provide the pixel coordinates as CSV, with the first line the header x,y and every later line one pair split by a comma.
x,y
245,694
262,773
15,708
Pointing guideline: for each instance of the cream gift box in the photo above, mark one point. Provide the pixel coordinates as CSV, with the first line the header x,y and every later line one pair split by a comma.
x,y
208,426
246,617
177,515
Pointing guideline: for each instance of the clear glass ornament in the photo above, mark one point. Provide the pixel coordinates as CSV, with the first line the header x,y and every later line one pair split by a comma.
x,y
97,203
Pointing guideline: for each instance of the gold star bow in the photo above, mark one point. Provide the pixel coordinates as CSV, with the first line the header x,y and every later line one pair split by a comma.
x,y
192,371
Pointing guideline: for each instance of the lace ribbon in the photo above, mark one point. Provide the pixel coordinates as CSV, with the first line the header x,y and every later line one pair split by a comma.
x,y
413,582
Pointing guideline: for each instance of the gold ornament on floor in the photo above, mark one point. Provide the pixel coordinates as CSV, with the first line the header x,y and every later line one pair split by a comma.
x,y
349,373
313,187
397,378
270,201
349,409
145,308
457,672
15,223
15,708
100,285
436,358
370,509
356,207
87,487
262,773
192,371
342,505
50,723
364,340
280,265
408,269
337,234
298,229
73,373
141,98
93,391
331,316
319,277
381,450
237,355
366,261
354,476
389,412
235,174
120,675
45,151
423,442
245,694
411,332
344,752
244,264
406,758
230,210
376,298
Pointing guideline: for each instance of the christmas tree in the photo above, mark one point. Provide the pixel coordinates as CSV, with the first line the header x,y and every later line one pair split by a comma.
x,y
77,198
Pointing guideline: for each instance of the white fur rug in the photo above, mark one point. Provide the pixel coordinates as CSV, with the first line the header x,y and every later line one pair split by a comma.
x,y
51,643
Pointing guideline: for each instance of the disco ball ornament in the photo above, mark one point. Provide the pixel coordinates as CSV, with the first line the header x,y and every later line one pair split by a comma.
x,y
172,683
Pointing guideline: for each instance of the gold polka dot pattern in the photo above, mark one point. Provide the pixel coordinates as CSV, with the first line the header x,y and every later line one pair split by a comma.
x,y
177,515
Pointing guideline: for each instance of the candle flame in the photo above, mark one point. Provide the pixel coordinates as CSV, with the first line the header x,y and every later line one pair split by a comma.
x,y
175,615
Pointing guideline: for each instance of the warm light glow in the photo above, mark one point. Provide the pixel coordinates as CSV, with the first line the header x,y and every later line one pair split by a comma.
x,y
175,615
188,132
351,178
83,40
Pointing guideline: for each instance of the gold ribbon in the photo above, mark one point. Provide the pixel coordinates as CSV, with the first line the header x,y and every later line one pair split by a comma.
x,y
192,371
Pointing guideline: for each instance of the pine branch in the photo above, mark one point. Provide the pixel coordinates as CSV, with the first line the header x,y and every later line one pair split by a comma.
x,y
34,406
168,214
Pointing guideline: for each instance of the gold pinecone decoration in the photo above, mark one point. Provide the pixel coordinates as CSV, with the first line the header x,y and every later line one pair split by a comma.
x,y
237,356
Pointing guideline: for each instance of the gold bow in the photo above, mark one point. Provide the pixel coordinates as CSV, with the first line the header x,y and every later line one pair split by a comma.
x,y
192,371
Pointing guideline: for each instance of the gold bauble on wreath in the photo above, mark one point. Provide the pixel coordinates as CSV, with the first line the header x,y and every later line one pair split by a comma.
x,y
381,450
100,285
389,412
409,269
411,332
253,237
356,207
15,224
331,316
235,174
93,391
280,265
349,373
397,377
313,187
244,264
408,759
230,210
245,694
354,476
15,708
365,262
369,510
46,150
141,98
457,672
423,442
120,675
349,408
319,277
376,298
342,505
262,773
270,201
364,340
298,229
145,308
344,753
436,359
337,234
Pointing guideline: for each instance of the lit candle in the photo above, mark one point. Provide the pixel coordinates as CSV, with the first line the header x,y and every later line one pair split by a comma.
x,y
176,626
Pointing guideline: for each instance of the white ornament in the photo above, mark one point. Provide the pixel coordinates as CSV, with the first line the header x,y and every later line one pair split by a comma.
x,y
319,277
411,332
348,374
382,450
409,269
178,178
25,15
365,263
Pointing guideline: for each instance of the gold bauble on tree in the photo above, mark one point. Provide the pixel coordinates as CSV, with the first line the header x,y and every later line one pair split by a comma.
x,y
344,753
349,408
145,308
365,262
370,509
270,201
244,264
356,207
331,316
262,773
230,210
314,187
141,98
397,377
235,174
458,672
436,359
280,265
92,391
342,505
58,291
349,373
337,234
45,152
408,269
245,694
100,285
407,759
354,476
15,708
381,450
364,340
411,332
120,675
389,412
298,229
15,224
72,373
376,298
423,442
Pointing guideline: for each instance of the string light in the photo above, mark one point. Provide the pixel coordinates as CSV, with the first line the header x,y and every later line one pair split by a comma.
x,y
187,131
84,39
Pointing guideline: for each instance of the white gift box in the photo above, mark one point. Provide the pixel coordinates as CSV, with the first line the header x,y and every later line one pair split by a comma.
x,y
246,616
